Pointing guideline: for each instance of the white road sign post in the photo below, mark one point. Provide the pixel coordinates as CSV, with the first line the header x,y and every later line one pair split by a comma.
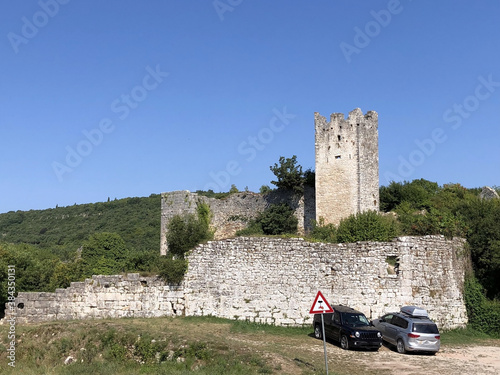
x,y
321,306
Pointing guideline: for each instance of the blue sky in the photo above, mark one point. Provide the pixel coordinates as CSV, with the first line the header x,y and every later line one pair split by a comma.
x,y
127,98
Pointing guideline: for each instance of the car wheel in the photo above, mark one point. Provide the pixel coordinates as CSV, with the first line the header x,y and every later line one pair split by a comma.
x,y
401,347
317,332
344,342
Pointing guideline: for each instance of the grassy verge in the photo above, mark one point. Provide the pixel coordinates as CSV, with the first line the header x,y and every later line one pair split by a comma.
x,y
466,336
141,346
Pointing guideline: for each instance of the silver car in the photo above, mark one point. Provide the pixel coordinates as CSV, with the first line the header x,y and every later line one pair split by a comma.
x,y
409,330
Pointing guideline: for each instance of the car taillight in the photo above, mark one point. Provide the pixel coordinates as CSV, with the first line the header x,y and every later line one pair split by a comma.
x,y
437,337
413,336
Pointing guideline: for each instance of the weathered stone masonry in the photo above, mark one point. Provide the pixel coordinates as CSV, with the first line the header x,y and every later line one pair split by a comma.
x,y
272,280
347,176
102,297
233,212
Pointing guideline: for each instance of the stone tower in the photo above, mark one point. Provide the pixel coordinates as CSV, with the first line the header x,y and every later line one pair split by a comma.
x,y
347,180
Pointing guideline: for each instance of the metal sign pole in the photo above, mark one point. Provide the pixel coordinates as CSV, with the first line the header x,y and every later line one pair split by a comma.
x,y
324,342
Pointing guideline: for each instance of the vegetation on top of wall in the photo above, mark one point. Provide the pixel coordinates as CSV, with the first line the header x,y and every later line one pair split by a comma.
x,y
184,232
365,226
277,219
423,207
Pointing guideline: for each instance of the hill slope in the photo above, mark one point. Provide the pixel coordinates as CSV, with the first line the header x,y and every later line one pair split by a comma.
x,y
63,229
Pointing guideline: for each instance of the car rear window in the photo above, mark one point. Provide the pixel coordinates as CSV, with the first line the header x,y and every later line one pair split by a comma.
x,y
425,328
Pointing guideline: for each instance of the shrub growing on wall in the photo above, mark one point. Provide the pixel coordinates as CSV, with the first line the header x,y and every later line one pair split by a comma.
x,y
173,270
322,232
367,226
186,231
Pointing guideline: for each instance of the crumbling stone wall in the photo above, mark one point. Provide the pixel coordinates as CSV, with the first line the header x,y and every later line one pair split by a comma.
x,y
274,280
271,280
130,296
347,175
232,213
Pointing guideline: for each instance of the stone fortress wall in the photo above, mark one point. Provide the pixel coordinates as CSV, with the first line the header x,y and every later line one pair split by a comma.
x,y
232,213
274,280
347,176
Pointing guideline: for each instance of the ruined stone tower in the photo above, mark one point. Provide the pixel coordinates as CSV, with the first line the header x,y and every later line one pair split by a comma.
x,y
347,180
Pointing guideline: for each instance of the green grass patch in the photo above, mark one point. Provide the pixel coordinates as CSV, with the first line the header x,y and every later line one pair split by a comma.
x,y
463,336
243,326
132,346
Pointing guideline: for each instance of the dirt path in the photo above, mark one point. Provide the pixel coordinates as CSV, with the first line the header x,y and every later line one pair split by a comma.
x,y
295,357
448,361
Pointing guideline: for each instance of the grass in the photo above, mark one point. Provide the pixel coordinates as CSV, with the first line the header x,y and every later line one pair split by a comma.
x,y
463,336
200,345
140,346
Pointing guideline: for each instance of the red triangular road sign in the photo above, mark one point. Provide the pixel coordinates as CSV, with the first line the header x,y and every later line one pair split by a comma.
x,y
320,305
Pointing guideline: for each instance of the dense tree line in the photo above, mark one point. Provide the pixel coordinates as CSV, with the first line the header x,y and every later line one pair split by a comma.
x,y
62,230
51,248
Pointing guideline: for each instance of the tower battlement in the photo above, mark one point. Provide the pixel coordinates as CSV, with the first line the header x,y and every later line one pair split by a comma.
x,y
347,177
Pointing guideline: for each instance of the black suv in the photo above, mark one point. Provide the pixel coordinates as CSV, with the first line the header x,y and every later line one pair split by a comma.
x,y
349,327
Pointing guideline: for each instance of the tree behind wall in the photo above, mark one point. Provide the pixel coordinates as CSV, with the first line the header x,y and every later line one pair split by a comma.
x,y
104,253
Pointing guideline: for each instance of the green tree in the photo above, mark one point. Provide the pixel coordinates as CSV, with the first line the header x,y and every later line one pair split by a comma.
x,y
482,217
417,193
310,177
233,189
264,189
104,253
276,219
483,314
65,273
289,174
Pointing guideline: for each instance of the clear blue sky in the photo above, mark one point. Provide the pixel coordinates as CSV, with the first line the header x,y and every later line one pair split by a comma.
x,y
124,98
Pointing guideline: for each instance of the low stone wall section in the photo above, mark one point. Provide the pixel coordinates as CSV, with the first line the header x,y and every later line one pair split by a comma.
x,y
118,296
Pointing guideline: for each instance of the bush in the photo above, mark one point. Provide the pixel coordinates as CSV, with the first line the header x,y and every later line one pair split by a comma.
x,y
278,219
417,193
173,270
184,232
253,228
275,220
367,226
322,232
484,314
483,235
